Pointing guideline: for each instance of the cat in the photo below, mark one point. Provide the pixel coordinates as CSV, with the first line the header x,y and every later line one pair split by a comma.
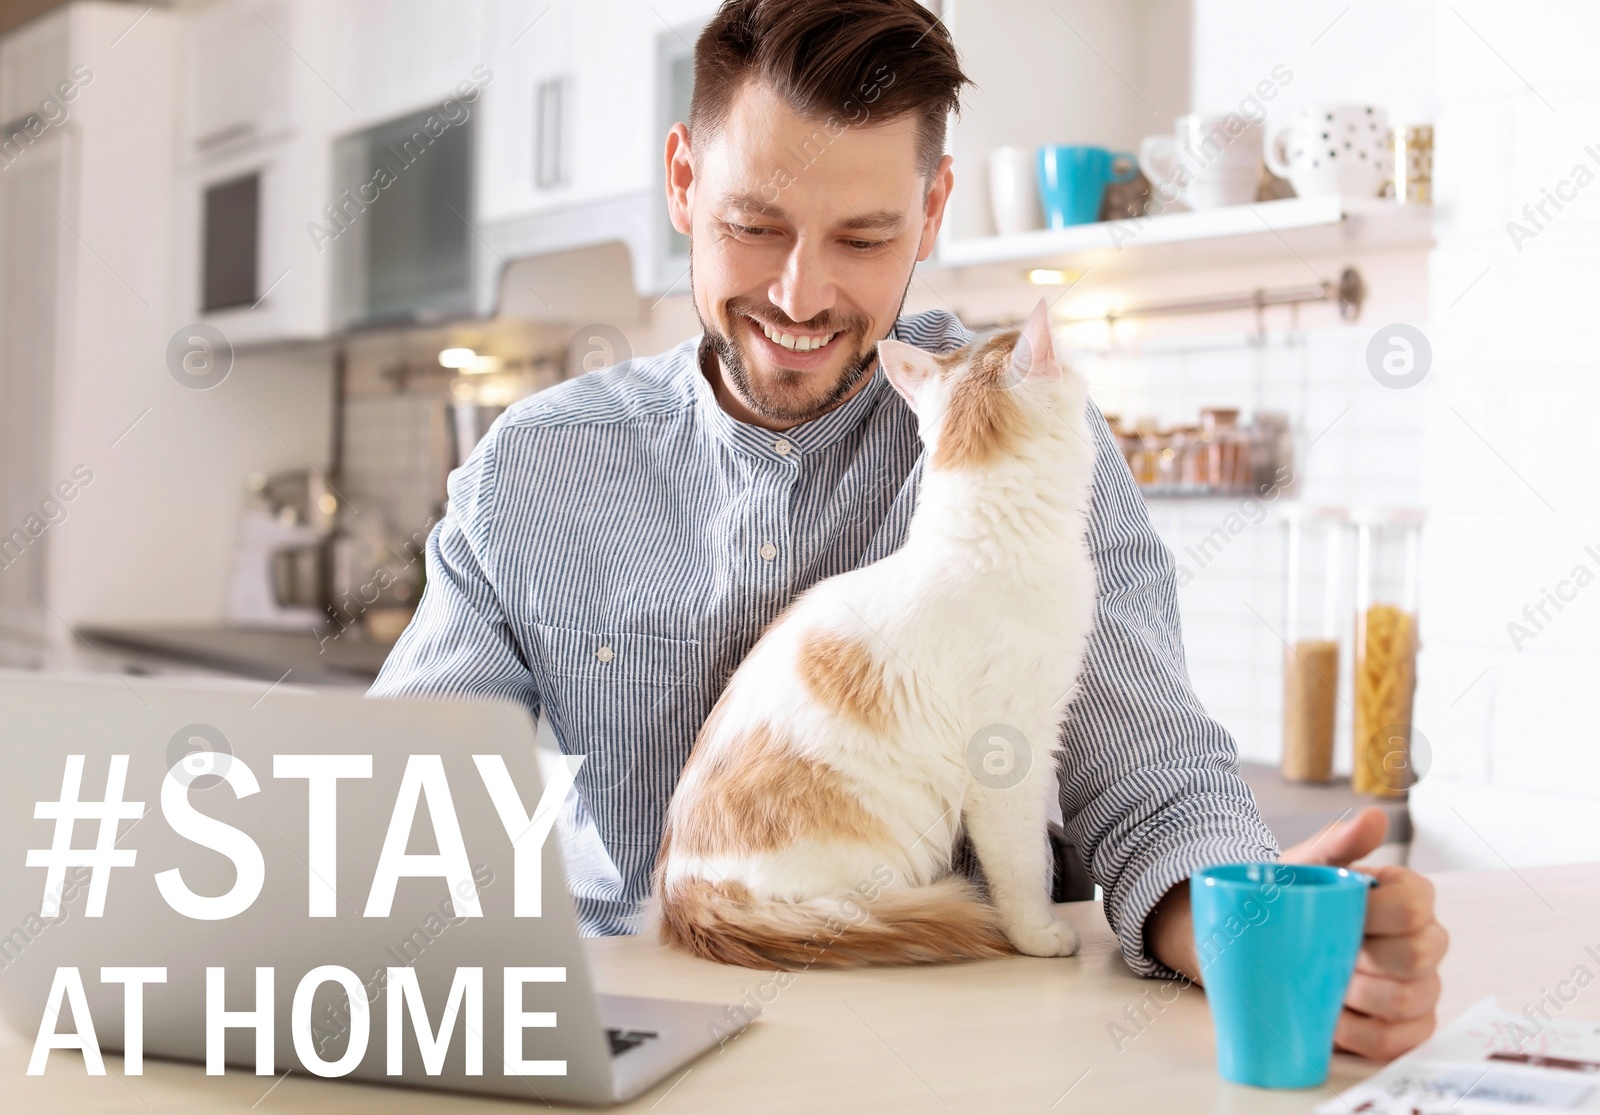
x,y
888,707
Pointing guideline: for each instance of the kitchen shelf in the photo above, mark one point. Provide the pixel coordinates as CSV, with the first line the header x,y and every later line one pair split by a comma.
x,y
1261,231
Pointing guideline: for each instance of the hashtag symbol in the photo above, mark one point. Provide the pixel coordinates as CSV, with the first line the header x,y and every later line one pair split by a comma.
x,y
104,855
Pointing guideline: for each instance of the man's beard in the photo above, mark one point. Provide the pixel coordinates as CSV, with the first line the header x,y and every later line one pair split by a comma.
x,y
782,397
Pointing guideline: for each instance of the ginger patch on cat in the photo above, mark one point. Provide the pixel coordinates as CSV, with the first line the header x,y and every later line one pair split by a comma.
x,y
841,674
983,423
771,798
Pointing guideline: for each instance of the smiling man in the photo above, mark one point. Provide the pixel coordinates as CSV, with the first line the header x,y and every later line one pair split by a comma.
x,y
615,545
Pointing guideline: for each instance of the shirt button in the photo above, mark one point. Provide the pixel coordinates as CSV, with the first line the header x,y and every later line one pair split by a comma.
x,y
605,654
768,551
781,447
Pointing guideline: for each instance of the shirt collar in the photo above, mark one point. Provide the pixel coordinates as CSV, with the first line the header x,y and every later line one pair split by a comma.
x,y
819,433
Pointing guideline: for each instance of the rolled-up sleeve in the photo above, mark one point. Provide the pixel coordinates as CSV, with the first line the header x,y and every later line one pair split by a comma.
x,y
461,642
1150,784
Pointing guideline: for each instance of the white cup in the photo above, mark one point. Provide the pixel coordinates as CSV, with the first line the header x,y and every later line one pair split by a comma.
x,y
1339,150
1014,190
1209,160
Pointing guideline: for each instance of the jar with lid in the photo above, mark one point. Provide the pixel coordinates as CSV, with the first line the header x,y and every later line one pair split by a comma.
x,y
1316,600
1146,452
1189,460
1386,760
1219,430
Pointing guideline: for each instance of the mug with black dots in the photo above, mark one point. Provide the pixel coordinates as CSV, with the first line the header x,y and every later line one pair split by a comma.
x,y
1341,150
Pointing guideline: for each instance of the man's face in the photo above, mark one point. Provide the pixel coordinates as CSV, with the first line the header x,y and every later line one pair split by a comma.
x,y
803,235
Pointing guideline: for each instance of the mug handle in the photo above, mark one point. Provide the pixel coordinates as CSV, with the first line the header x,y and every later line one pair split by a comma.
x,y
1276,154
1130,162
1158,158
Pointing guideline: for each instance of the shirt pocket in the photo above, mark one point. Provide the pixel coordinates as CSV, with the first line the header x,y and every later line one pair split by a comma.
x,y
631,704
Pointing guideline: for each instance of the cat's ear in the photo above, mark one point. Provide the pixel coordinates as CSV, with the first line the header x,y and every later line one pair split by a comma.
x,y
908,368
1035,354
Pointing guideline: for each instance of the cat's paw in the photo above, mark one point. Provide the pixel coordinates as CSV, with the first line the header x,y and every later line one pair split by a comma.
x,y
1056,938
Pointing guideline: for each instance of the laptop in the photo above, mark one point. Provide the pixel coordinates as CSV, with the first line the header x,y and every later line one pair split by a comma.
x,y
383,861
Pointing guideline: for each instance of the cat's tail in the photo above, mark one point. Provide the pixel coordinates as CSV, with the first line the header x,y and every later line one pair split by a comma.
x,y
723,921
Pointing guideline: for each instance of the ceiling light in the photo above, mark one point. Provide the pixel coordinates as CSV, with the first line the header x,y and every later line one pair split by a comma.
x,y
1046,276
457,358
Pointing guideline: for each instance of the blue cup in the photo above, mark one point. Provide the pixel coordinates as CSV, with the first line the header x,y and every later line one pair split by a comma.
x,y
1072,180
1277,946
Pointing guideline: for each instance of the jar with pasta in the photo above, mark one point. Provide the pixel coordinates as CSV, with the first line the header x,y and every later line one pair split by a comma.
x,y
1316,602
1386,643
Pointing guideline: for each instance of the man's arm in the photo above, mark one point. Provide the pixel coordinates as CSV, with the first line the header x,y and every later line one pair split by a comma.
x,y
1150,789
1150,792
461,643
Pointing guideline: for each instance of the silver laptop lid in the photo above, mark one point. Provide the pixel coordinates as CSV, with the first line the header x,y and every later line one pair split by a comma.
x,y
382,877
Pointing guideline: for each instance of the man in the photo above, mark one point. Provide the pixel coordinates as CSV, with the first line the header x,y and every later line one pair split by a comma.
x,y
615,545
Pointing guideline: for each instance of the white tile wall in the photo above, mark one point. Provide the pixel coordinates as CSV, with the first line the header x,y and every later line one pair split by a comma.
x,y
396,449
1507,457
1366,451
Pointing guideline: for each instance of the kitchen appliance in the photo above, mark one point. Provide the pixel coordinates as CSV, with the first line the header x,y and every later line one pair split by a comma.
x,y
281,567
404,245
1338,150
1218,157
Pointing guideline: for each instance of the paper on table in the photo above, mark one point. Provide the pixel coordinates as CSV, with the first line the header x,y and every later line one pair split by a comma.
x,y
1487,1062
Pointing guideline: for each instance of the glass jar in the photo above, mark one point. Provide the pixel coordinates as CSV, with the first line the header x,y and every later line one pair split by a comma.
x,y
1189,460
1315,604
1387,561
1271,454
1147,441
1219,428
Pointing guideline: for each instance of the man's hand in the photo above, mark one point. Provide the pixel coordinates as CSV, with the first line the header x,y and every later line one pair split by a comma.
x,y
1392,999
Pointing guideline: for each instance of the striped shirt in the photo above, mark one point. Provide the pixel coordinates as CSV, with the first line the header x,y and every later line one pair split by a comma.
x,y
616,544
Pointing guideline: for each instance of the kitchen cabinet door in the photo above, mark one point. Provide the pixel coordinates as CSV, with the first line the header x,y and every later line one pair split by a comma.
x,y
571,115
525,113
395,57
30,257
236,90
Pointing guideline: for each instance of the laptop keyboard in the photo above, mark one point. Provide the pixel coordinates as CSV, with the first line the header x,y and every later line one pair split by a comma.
x,y
624,1040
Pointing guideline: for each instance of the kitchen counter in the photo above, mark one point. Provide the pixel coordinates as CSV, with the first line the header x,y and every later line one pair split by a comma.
x,y
1296,811
1016,1034
297,657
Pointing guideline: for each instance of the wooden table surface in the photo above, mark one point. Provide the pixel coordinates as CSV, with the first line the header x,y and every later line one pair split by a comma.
x,y
1011,1035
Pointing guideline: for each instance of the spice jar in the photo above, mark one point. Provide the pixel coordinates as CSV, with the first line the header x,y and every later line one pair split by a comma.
x,y
1219,428
1387,559
1315,604
1146,452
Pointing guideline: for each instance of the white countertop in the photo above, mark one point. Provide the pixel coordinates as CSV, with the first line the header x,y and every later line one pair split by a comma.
x,y
1019,1034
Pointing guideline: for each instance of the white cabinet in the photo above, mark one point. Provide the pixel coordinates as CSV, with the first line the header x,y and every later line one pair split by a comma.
x,y
574,129
33,64
258,102
393,57
284,293
270,87
237,67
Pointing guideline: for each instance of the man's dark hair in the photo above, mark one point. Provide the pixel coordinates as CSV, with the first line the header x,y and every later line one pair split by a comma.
x,y
852,60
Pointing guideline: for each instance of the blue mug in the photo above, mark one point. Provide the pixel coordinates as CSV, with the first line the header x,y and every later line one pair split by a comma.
x,y
1073,179
1277,946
